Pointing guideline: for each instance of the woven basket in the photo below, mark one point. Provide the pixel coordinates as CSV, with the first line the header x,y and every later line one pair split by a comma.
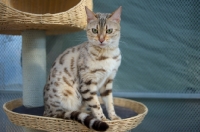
x,y
53,16
61,125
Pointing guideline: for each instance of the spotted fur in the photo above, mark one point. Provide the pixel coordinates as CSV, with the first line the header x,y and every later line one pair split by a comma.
x,y
81,71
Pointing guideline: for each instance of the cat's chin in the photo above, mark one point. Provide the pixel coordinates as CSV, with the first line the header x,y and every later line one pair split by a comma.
x,y
106,46
102,45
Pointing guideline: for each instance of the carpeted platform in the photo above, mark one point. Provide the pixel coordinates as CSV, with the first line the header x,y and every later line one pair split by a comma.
x,y
121,111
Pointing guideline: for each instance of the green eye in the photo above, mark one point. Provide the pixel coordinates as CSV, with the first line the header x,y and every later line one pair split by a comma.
x,y
95,31
109,31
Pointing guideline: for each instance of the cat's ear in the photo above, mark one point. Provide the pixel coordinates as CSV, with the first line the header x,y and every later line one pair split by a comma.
x,y
90,15
116,15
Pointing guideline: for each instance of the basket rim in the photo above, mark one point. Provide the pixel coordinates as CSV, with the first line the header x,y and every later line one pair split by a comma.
x,y
108,121
46,14
26,120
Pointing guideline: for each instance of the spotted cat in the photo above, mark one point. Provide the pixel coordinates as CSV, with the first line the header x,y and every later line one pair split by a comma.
x,y
81,71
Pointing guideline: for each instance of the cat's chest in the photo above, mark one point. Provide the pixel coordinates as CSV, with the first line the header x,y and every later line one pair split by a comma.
x,y
102,68
98,67
107,61
108,64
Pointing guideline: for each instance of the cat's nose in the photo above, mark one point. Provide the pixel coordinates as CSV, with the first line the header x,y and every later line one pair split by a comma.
x,y
101,39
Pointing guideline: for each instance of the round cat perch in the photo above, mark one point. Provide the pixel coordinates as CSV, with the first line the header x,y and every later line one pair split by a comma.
x,y
131,112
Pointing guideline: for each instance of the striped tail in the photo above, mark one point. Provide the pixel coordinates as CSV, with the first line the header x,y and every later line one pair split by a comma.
x,y
87,120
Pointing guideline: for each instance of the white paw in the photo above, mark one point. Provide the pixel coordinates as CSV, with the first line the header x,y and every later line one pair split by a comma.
x,y
104,119
115,117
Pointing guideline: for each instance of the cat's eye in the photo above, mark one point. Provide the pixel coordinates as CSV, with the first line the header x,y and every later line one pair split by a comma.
x,y
95,31
109,31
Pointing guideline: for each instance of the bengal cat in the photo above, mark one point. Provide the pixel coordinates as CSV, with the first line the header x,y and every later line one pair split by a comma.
x,y
81,71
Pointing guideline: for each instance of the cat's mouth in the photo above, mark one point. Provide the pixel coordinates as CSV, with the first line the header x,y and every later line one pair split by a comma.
x,y
102,44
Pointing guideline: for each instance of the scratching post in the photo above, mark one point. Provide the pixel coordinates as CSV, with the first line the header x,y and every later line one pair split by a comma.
x,y
34,67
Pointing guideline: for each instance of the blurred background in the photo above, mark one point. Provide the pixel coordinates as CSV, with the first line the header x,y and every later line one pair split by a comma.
x,y
160,46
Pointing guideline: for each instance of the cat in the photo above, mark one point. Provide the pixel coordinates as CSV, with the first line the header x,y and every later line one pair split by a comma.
x,y
83,70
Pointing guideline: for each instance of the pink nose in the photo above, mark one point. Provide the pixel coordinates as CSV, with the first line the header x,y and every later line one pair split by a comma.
x,y
101,40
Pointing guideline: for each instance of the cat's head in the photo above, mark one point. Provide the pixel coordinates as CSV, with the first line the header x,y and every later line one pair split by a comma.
x,y
103,29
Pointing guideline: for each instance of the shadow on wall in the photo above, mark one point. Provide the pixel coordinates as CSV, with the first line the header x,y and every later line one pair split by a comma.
x,y
10,64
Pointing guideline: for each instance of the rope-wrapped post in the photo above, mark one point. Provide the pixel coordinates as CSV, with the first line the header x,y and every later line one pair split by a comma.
x,y
34,68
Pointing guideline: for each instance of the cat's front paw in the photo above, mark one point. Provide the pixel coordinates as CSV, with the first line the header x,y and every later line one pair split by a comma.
x,y
104,119
114,117
101,117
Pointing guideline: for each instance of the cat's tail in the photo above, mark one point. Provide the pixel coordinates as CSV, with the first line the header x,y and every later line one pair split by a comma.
x,y
87,120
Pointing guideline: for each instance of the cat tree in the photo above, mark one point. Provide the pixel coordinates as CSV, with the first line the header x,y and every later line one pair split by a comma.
x,y
34,19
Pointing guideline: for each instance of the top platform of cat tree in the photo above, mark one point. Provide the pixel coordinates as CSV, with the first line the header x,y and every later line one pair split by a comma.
x,y
52,16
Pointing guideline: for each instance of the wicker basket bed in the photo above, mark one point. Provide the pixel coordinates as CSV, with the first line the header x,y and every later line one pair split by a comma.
x,y
61,125
52,16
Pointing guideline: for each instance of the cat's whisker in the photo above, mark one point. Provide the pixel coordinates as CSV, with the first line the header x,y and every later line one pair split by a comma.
x,y
122,42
